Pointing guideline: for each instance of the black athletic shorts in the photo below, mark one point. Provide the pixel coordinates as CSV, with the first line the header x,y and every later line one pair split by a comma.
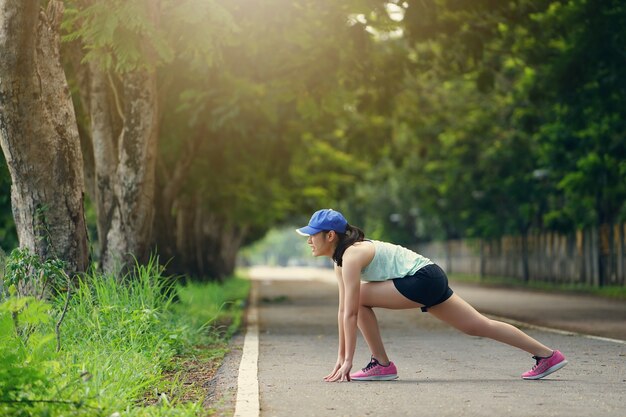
x,y
428,286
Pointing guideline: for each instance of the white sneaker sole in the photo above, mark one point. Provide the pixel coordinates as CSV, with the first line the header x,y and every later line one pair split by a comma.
x,y
376,378
548,371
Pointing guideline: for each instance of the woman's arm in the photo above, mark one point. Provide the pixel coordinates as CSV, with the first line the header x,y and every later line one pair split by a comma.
x,y
351,276
341,354
341,348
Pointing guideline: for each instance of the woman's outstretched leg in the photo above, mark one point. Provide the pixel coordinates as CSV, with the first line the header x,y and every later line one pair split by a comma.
x,y
459,314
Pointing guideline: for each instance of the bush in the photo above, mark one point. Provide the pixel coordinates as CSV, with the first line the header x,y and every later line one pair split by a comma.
x,y
117,339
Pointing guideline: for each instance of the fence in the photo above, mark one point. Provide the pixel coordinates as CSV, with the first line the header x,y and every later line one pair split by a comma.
x,y
595,256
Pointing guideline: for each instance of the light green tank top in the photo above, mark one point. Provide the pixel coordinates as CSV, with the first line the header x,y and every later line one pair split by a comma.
x,y
392,261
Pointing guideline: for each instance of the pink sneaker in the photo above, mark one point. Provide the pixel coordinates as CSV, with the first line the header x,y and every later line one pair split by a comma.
x,y
374,371
545,366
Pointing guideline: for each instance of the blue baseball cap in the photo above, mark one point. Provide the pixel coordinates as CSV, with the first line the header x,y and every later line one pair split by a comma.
x,y
324,220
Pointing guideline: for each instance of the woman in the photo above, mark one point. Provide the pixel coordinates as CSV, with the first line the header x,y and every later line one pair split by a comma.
x,y
398,278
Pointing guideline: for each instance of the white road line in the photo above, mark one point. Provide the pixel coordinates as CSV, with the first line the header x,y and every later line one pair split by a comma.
x,y
604,339
247,403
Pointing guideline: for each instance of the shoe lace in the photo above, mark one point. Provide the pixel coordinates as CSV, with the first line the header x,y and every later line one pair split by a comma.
x,y
537,360
370,365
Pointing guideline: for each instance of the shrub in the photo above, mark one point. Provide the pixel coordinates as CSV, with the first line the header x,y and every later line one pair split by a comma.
x,y
118,337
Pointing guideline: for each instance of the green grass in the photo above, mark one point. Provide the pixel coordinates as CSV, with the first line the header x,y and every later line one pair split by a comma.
x,y
125,346
614,292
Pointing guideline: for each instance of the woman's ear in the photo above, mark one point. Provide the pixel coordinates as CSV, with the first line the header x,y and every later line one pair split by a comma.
x,y
331,235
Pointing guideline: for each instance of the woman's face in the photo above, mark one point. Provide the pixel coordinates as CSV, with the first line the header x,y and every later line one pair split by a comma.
x,y
322,243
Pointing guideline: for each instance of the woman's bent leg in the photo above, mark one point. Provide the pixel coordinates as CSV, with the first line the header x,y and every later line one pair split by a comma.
x,y
368,324
458,313
384,295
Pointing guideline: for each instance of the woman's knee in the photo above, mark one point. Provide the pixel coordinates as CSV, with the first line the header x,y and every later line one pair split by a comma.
x,y
364,309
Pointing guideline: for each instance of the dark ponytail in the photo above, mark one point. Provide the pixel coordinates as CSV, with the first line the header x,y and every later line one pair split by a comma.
x,y
352,235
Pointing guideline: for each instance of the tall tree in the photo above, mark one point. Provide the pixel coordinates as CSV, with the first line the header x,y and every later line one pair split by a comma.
x,y
235,144
123,92
39,135
579,87
119,92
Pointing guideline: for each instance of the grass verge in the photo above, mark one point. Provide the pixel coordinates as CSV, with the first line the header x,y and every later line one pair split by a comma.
x,y
137,346
612,292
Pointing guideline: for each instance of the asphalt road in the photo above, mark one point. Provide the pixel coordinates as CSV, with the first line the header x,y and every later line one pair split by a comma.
x,y
442,372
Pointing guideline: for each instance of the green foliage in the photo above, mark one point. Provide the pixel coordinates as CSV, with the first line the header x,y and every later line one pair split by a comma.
x,y
462,118
27,341
583,100
270,117
27,360
125,35
114,31
214,306
29,275
511,118
119,336
481,119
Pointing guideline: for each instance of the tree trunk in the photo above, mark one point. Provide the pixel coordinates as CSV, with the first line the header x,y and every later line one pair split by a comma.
x,y
124,125
168,196
104,149
130,207
75,69
39,135
206,246
221,243
232,238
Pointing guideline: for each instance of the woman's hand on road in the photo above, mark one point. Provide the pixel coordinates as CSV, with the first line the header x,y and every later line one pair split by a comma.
x,y
342,374
334,371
